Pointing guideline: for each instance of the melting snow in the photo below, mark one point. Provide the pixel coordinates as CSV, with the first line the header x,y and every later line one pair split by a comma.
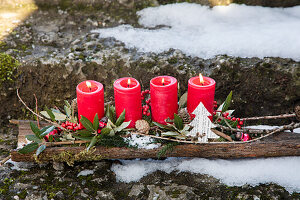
x,y
283,171
142,142
85,172
235,30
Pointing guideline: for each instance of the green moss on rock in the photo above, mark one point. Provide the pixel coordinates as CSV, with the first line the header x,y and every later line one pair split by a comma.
x,y
8,66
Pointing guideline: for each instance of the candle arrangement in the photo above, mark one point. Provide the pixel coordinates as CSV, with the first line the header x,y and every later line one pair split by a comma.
x,y
201,121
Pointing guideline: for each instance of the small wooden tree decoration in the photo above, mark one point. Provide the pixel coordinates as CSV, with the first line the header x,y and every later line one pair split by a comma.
x,y
201,124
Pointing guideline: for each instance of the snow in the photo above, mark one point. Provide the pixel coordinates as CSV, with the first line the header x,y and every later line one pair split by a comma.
x,y
235,30
20,166
85,172
237,172
142,142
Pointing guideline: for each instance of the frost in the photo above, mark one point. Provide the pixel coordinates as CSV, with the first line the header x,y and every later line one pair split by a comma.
x,y
142,142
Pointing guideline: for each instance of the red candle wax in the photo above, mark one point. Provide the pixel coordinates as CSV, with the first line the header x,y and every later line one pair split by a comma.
x,y
201,92
90,99
164,100
128,96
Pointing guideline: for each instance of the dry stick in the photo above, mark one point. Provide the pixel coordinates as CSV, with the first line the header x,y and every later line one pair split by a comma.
x,y
248,130
36,110
270,117
65,142
4,160
291,126
54,123
223,135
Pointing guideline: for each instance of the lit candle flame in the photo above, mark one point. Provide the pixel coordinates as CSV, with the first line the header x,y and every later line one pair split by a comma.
x,y
163,81
201,79
128,82
89,84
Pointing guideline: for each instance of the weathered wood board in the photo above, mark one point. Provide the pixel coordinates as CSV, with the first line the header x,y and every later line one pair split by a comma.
x,y
281,144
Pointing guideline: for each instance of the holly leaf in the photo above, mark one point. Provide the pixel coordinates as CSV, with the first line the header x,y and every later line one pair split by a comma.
x,y
105,131
29,148
50,113
33,138
87,124
121,119
57,115
35,129
178,122
227,102
122,126
92,143
109,113
182,100
40,150
96,122
84,133
46,131
170,127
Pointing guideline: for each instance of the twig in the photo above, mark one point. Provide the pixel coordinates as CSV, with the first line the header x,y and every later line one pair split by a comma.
x,y
248,130
54,123
223,135
270,117
65,142
36,110
4,160
74,102
109,103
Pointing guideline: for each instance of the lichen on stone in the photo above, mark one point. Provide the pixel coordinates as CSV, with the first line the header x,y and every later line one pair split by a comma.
x,y
8,66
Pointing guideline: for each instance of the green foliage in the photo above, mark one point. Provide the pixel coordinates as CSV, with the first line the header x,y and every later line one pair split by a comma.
x,y
225,105
167,148
177,130
87,123
8,66
37,139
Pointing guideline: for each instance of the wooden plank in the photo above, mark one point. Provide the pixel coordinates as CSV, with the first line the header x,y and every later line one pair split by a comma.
x,y
281,144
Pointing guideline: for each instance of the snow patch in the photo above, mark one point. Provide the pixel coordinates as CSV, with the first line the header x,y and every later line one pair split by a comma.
x,y
235,30
20,166
85,172
142,142
283,171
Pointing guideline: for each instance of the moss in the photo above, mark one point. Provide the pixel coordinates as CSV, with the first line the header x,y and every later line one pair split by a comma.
x,y
4,186
174,193
173,60
23,194
70,157
8,67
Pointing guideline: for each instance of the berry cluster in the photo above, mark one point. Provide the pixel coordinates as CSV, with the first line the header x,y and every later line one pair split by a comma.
x,y
102,123
146,108
72,126
53,133
240,122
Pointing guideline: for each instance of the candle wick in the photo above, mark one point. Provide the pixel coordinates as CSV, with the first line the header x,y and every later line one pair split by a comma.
x,y
128,86
163,84
202,84
90,89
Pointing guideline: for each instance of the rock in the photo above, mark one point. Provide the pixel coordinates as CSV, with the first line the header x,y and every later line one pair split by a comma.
x,y
104,195
58,166
136,190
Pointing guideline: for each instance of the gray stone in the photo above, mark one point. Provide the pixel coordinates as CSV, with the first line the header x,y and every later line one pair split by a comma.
x,y
136,190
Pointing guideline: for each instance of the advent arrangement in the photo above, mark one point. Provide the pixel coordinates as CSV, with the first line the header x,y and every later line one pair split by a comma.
x,y
158,113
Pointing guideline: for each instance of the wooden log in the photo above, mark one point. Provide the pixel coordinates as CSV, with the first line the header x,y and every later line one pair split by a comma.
x,y
279,144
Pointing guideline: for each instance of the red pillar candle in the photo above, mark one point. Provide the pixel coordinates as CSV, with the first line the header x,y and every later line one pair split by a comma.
x,y
164,100
90,99
128,96
201,91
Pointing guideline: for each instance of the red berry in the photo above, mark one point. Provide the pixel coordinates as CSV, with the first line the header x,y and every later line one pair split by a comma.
x,y
241,122
70,127
233,119
147,91
228,118
215,106
148,114
63,125
238,126
214,113
238,119
146,106
102,125
98,131
144,113
81,126
76,128
215,102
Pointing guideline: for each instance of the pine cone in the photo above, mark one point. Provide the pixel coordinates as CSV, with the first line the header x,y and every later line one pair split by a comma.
x,y
142,126
184,115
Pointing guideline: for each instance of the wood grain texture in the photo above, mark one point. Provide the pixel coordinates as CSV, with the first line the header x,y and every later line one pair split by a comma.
x,y
281,144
